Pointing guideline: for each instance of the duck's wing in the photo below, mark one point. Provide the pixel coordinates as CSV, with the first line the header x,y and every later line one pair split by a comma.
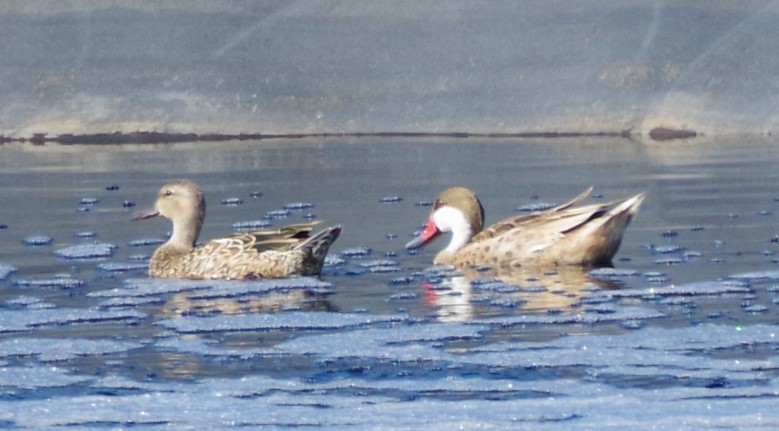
x,y
279,239
568,217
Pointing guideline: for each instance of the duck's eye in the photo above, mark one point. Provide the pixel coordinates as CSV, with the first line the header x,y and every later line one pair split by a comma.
x,y
167,193
438,204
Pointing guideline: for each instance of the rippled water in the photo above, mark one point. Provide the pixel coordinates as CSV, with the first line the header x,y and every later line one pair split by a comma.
x,y
680,334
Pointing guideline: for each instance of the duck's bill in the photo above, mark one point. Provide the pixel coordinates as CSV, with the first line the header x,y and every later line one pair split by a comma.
x,y
144,214
431,231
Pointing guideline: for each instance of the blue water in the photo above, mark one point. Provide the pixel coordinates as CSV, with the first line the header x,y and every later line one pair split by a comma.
x,y
681,334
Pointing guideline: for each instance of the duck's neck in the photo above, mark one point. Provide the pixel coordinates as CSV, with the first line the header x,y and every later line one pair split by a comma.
x,y
460,236
185,233
459,239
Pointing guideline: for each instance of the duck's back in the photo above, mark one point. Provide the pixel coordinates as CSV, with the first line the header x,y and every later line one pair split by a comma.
x,y
563,235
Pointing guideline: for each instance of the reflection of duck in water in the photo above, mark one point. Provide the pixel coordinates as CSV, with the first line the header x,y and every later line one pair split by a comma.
x,y
185,358
478,293
451,299
565,235
191,303
269,253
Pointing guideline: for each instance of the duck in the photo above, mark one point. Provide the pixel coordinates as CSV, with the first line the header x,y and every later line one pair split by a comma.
x,y
564,235
268,253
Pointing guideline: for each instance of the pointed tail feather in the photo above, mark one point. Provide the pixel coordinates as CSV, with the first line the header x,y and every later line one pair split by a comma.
x,y
610,228
316,249
583,195
616,220
629,206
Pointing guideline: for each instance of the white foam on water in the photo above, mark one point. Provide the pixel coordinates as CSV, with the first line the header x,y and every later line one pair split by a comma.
x,y
355,252
612,273
49,349
536,206
252,224
298,206
592,381
146,242
495,286
560,404
230,289
296,320
6,270
37,240
30,319
407,342
757,275
56,282
581,318
149,287
121,267
133,301
379,263
87,251
12,378
23,301
703,288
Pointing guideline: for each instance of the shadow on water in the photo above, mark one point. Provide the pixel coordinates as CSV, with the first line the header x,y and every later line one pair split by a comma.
x,y
693,286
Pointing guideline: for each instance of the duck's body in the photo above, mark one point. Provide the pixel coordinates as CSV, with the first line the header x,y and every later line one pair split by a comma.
x,y
564,235
269,253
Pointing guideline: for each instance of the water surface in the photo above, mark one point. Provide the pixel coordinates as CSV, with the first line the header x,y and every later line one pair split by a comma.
x,y
682,332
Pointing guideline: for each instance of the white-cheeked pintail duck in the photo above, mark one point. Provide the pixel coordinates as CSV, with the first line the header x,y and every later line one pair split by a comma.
x,y
269,253
564,235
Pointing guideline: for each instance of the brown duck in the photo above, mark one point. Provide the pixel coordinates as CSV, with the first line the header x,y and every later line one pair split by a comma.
x,y
564,235
269,253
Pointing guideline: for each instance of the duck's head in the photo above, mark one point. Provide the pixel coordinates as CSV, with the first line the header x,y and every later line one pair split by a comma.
x,y
183,203
456,210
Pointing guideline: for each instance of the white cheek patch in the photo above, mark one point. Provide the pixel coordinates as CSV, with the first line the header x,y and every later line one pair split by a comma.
x,y
449,219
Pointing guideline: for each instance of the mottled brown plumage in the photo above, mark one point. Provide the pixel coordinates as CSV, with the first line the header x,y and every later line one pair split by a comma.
x,y
269,253
587,235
